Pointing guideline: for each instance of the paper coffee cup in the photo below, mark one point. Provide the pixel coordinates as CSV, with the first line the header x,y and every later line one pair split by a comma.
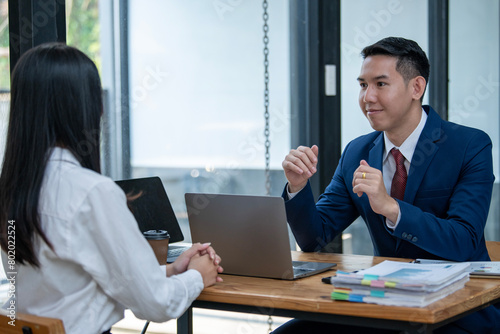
x,y
158,240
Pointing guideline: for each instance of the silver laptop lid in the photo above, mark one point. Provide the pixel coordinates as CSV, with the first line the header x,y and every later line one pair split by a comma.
x,y
249,232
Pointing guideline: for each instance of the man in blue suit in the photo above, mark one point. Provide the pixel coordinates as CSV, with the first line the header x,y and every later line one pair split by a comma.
x,y
436,206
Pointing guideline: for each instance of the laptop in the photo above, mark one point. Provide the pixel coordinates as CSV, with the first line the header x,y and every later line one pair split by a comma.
x,y
153,211
250,233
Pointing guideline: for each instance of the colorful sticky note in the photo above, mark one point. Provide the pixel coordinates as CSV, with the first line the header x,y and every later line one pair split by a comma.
x,y
377,293
390,284
356,298
377,284
366,282
340,296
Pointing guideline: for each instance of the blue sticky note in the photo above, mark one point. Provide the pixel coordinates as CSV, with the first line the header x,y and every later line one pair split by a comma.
x,y
356,298
377,293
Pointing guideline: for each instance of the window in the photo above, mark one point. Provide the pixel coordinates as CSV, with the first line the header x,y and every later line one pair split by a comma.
x,y
196,96
83,28
4,73
473,90
377,20
4,46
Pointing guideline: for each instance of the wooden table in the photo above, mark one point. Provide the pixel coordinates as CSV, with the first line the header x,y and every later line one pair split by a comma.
x,y
309,298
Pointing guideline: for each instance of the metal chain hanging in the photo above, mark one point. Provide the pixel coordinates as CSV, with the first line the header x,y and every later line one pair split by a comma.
x,y
265,28
265,16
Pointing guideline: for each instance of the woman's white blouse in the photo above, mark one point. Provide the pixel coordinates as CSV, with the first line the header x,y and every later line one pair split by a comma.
x,y
102,264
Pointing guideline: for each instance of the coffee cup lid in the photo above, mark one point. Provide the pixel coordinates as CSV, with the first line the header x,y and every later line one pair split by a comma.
x,y
156,234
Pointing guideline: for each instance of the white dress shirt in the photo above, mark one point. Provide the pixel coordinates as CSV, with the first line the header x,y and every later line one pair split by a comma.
x,y
101,263
389,164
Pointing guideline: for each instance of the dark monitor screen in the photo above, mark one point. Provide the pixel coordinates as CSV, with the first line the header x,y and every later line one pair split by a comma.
x,y
151,207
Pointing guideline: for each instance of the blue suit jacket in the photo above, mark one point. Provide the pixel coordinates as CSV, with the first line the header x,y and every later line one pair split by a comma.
x,y
443,214
446,201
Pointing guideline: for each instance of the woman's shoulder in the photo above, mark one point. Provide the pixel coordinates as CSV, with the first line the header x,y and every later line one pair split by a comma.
x,y
68,185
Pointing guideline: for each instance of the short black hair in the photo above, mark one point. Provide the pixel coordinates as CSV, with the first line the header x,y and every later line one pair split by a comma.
x,y
411,59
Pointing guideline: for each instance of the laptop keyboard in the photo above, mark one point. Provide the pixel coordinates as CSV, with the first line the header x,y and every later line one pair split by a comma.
x,y
301,268
298,271
174,252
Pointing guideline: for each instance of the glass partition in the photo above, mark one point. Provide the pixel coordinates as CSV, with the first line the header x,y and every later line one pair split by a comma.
x,y
474,83
197,95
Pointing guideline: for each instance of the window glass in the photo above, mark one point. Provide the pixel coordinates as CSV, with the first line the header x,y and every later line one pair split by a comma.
x,y
82,32
360,28
4,46
197,95
474,79
83,28
4,98
4,73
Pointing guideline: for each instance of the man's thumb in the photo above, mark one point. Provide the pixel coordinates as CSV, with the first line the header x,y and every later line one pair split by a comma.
x,y
315,150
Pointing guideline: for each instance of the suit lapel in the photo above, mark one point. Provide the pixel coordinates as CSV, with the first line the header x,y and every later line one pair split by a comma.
x,y
423,155
375,160
377,152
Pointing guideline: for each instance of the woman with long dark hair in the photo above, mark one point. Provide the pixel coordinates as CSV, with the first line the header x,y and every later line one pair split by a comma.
x,y
64,228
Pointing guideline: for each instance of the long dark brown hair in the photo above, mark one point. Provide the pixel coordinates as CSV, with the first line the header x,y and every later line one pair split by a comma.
x,y
56,100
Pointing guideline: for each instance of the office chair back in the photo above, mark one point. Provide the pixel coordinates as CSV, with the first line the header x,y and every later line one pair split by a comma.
x,y
30,324
493,250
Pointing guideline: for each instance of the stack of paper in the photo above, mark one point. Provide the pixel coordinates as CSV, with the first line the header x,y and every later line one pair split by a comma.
x,y
478,269
400,283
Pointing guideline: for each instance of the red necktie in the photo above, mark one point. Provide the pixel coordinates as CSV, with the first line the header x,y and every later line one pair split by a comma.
x,y
400,176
